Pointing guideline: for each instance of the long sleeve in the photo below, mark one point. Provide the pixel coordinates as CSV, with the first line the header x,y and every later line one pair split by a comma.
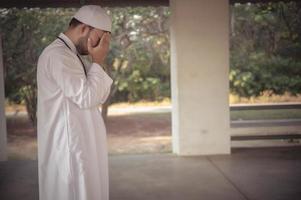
x,y
84,91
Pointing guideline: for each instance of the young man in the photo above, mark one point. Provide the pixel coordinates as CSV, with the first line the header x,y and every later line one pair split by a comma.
x,y
72,148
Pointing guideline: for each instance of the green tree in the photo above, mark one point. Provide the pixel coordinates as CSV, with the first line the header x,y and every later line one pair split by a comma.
x,y
138,60
266,49
25,32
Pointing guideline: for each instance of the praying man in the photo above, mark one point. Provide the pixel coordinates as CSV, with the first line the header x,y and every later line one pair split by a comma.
x,y
72,148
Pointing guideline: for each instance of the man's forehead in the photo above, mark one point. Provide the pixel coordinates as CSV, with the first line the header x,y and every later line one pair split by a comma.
x,y
93,28
100,31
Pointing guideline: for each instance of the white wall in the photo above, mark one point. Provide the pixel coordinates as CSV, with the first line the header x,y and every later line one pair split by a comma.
x,y
199,71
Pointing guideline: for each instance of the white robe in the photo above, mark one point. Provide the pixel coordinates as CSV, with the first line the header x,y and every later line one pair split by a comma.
x,y
72,145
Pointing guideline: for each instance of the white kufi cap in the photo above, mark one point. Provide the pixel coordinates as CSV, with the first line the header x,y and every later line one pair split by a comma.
x,y
94,16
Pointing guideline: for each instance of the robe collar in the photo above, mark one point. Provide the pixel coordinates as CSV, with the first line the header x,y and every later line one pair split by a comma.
x,y
69,42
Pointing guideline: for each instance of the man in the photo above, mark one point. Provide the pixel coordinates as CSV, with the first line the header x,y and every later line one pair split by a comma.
x,y
72,148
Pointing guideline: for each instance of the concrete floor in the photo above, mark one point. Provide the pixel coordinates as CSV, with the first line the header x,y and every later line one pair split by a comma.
x,y
252,174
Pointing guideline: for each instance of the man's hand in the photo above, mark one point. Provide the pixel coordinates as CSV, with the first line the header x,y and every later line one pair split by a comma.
x,y
99,52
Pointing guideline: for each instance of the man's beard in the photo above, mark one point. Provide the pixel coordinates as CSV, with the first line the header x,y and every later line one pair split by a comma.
x,y
82,45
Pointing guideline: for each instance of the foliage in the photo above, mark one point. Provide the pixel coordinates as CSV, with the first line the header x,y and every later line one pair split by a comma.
x,y
140,53
138,60
25,33
266,49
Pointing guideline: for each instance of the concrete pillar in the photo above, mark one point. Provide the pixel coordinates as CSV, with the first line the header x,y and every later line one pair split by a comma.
x,y
3,135
199,77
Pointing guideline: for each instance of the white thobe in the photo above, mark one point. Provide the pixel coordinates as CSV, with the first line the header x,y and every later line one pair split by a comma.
x,y
72,145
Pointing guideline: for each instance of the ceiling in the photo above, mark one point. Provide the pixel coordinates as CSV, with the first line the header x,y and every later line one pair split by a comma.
x,y
109,3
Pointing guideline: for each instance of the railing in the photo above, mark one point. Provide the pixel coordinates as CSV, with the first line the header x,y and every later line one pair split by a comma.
x,y
239,107
266,137
267,106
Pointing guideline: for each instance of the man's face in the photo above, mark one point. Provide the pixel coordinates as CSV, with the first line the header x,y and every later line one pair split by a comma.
x,y
95,35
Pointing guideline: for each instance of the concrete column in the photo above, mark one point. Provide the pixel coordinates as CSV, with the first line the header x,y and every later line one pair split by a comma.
x,y
3,135
199,77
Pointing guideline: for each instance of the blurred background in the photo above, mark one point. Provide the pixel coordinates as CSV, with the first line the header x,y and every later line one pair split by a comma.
x,y
264,76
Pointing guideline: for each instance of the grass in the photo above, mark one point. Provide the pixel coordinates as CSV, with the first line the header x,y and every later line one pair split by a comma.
x,y
235,115
233,99
265,98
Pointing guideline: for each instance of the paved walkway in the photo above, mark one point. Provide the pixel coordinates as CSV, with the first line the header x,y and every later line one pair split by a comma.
x,y
246,174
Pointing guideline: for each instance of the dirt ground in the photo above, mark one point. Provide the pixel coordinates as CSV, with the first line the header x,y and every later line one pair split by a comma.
x,y
139,133
126,134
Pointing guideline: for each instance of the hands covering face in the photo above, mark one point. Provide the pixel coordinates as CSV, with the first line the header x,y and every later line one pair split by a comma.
x,y
98,45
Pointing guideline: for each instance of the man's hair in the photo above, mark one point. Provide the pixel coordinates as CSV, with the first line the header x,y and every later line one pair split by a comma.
x,y
74,23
